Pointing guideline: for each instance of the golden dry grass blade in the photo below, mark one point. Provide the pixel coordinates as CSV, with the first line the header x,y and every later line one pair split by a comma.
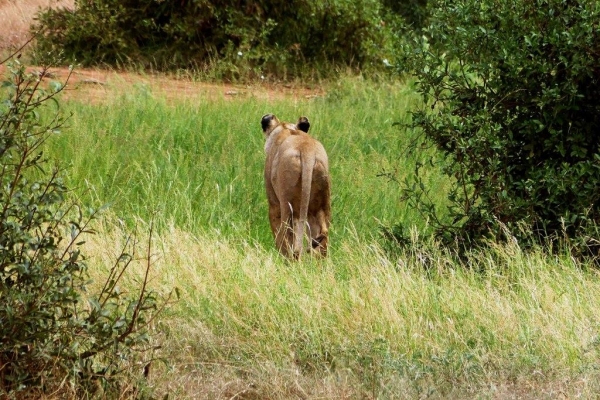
x,y
362,324
17,16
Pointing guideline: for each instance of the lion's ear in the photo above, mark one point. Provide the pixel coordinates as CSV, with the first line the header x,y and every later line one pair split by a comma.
x,y
303,124
267,121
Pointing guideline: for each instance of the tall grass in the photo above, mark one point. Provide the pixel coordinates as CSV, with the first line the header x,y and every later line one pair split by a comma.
x,y
360,324
198,162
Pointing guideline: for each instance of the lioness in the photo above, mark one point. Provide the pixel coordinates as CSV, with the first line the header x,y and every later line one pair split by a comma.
x,y
298,186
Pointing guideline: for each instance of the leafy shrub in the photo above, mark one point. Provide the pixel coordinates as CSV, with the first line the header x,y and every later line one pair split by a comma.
x,y
413,12
514,91
54,336
265,37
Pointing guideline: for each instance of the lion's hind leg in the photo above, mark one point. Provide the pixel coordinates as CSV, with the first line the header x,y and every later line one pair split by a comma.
x,y
285,235
319,233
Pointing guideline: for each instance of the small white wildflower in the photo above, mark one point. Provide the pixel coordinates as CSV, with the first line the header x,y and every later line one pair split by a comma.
x,y
240,53
386,62
262,77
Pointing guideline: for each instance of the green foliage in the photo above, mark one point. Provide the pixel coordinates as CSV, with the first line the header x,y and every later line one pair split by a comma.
x,y
249,37
515,112
54,336
414,12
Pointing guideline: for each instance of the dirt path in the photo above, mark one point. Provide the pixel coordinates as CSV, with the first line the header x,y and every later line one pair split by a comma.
x,y
97,85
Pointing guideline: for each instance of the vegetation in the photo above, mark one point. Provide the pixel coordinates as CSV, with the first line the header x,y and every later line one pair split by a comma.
x,y
234,39
414,13
515,98
55,337
363,323
501,97
201,168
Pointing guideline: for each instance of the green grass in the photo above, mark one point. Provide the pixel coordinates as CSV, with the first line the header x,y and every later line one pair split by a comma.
x,y
360,324
198,162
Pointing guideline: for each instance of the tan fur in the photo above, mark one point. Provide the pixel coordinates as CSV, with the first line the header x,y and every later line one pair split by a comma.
x,y
298,187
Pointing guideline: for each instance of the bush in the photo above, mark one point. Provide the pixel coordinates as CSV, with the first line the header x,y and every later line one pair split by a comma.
x,y
413,12
263,37
54,336
514,92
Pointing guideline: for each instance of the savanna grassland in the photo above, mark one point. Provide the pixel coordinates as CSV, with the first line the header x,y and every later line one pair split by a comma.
x,y
178,175
364,323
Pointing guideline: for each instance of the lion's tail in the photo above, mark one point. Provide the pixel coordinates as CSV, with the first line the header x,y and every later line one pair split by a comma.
x,y
308,164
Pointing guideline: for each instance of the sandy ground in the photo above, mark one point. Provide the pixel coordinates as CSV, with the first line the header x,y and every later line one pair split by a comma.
x,y
97,85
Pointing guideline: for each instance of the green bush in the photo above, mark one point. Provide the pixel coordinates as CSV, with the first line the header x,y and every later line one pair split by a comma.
x,y
413,12
513,105
55,337
243,37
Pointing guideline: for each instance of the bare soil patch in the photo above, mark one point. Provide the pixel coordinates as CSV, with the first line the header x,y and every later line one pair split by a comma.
x,y
97,85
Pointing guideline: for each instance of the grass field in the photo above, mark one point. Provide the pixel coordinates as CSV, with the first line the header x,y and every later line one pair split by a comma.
x,y
198,162
360,324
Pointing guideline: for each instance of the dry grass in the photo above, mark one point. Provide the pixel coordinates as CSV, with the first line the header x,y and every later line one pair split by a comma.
x,y
17,16
248,325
